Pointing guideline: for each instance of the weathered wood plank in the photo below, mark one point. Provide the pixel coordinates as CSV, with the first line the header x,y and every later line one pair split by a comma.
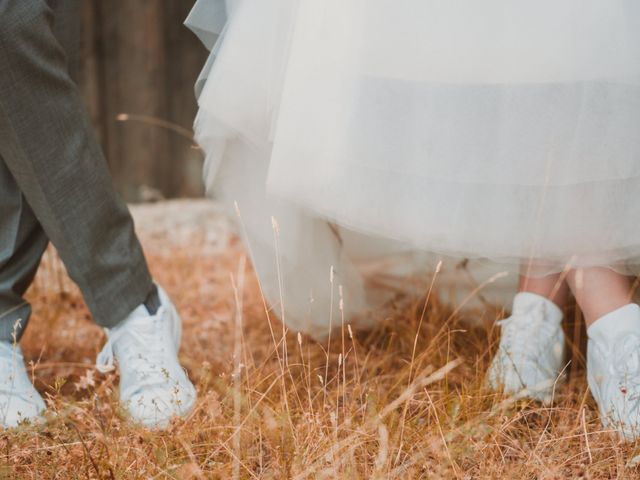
x,y
138,58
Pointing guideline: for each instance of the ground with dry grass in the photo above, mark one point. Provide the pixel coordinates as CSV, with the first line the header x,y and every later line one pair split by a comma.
x,y
403,401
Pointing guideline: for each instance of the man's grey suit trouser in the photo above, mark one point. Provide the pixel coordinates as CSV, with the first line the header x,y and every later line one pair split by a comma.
x,y
54,181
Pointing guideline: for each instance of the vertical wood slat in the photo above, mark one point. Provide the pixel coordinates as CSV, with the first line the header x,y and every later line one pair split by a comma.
x,y
89,75
139,59
187,56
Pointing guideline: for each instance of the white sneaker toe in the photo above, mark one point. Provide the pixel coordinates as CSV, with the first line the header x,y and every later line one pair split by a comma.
x,y
531,351
155,407
19,400
18,410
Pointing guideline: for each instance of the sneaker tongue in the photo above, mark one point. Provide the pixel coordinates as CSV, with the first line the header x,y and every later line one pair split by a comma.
x,y
139,321
140,312
524,302
616,324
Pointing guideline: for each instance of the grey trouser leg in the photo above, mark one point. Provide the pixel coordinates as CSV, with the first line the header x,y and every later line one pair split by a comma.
x,y
48,146
22,243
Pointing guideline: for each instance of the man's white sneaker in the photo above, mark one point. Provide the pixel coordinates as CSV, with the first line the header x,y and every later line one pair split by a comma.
x,y
19,400
531,351
153,386
613,369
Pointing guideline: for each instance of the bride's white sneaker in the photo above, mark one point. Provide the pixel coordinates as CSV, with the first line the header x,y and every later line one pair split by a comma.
x,y
530,357
153,386
19,400
613,369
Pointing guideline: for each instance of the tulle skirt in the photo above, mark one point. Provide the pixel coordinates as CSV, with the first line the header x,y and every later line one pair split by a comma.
x,y
500,130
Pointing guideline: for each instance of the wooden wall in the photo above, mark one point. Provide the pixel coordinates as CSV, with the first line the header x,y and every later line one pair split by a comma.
x,y
138,59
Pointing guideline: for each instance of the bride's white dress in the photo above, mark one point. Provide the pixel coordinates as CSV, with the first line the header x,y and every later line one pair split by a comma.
x,y
506,130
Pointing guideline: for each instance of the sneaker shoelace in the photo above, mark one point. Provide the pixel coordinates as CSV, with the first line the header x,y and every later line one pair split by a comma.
x,y
141,349
517,332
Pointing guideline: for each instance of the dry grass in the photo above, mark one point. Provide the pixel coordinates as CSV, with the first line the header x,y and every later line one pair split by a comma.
x,y
368,408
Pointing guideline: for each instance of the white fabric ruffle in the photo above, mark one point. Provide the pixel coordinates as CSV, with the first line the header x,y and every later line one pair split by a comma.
x,y
502,130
